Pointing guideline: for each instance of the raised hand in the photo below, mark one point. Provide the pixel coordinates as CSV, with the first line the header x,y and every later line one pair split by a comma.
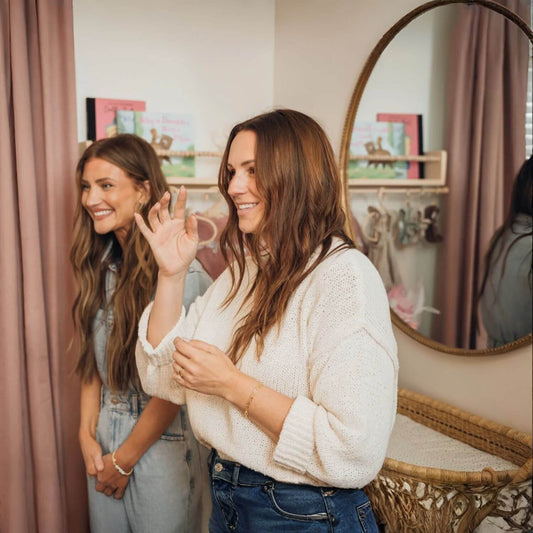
x,y
173,241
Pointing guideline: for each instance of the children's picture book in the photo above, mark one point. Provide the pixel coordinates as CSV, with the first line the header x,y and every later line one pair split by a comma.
x,y
125,121
168,131
413,139
101,115
377,139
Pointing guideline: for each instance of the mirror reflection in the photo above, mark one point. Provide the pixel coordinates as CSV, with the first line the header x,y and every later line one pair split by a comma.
x,y
430,243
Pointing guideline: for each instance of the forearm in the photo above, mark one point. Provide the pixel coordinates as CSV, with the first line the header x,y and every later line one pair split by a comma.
x,y
90,406
166,310
154,420
263,405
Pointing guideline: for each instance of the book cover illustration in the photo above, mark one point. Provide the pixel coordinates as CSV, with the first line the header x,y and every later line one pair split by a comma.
x,y
101,115
413,139
168,131
377,138
125,121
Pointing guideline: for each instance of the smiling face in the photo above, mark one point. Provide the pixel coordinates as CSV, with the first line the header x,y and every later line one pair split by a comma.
x,y
242,186
111,197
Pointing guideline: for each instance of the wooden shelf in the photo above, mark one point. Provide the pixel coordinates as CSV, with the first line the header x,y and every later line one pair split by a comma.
x,y
435,171
193,183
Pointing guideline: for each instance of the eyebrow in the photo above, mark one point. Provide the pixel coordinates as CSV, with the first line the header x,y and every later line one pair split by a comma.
x,y
99,180
243,163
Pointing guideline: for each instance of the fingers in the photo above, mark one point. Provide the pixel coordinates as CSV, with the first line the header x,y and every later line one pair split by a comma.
x,y
153,217
143,228
191,227
181,202
188,348
98,462
119,493
164,213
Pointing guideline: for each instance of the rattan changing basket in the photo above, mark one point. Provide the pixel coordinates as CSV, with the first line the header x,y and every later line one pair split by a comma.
x,y
409,497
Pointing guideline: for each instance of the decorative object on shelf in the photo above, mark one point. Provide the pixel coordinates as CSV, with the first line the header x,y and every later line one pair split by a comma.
x,y
377,139
488,477
413,139
101,115
164,131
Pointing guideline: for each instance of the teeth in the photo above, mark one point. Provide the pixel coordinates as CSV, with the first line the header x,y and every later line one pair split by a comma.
x,y
102,213
246,206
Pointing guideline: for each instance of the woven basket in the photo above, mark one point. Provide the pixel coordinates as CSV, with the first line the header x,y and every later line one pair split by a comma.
x,y
412,498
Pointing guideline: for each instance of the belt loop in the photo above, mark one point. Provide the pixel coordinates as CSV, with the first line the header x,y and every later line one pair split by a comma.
x,y
235,475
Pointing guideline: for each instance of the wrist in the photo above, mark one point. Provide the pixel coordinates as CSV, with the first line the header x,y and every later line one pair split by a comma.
x,y
171,279
124,458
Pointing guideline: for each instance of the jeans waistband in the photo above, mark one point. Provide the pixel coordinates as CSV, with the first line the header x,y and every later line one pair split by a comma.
x,y
131,402
234,473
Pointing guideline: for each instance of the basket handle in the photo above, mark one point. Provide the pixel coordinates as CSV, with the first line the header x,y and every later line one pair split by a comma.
x,y
523,473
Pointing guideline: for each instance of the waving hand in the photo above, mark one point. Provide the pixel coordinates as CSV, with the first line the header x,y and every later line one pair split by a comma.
x,y
173,241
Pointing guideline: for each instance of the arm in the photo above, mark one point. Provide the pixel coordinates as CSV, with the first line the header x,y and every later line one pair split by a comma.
x,y
89,412
203,367
173,243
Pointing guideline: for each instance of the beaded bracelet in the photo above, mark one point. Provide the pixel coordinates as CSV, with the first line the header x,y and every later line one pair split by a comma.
x,y
118,467
250,398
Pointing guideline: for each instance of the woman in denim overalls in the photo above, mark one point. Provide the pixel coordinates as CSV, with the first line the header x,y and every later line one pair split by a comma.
x,y
143,463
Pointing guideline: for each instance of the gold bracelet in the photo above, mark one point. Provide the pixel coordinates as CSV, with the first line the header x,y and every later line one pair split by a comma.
x,y
250,398
118,467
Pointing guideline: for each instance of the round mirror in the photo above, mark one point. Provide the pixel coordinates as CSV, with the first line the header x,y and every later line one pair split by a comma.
x,y
433,142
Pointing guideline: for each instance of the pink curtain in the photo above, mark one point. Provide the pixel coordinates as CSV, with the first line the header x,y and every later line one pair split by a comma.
x,y
486,104
42,482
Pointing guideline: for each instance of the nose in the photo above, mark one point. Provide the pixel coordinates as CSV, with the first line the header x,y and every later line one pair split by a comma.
x,y
238,183
92,196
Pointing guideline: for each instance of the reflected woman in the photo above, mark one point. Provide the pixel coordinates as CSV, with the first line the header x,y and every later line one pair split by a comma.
x,y
141,458
506,295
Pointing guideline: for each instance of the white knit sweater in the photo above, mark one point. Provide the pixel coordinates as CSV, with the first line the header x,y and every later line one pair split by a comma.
x,y
335,354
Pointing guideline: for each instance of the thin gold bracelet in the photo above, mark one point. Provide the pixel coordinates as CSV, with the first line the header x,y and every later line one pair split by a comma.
x,y
250,398
118,467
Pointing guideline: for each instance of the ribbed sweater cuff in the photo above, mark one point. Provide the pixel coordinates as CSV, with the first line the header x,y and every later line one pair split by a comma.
x,y
296,440
162,353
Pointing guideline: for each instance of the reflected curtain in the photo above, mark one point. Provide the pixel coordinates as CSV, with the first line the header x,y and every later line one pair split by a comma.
x,y
485,139
42,482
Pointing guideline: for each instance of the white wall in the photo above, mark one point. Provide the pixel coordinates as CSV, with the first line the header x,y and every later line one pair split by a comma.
x,y
228,60
321,47
209,58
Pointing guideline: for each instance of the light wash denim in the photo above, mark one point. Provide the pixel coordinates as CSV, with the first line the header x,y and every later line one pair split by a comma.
x,y
245,501
164,493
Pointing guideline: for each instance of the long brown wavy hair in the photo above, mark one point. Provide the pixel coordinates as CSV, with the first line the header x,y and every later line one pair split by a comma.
x,y
298,180
136,266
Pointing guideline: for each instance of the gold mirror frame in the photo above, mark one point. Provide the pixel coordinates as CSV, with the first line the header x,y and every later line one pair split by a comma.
x,y
347,135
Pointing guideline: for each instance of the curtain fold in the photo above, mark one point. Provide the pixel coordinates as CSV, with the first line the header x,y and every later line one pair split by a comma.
x,y
485,139
43,484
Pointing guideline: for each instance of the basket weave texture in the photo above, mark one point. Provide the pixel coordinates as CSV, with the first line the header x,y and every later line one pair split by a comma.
x,y
411,498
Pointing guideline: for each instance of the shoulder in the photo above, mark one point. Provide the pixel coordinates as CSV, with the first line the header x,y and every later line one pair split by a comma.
x,y
348,267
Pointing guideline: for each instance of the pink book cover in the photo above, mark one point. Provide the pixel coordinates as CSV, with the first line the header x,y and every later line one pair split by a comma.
x,y
413,139
101,115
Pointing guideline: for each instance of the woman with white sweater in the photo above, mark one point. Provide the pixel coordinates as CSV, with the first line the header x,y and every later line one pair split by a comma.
x,y
287,363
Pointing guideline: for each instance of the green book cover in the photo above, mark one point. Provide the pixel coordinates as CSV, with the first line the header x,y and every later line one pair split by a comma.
x,y
168,131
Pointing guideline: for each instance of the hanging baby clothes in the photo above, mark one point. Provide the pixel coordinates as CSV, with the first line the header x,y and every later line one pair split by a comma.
x,y
377,231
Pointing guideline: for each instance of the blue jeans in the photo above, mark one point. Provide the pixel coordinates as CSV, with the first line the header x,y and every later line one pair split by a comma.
x,y
245,501
164,493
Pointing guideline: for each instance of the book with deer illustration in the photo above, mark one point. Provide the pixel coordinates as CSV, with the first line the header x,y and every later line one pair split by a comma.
x,y
413,139
167,131
377,139
101,115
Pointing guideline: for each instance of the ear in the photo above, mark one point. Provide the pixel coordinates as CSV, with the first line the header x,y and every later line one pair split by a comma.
x,y
145,190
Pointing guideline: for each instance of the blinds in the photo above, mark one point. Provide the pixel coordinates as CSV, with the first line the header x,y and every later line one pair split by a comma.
x,y
529,103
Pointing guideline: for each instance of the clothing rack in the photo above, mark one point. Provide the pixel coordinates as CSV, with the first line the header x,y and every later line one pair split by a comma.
x,y
415,192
